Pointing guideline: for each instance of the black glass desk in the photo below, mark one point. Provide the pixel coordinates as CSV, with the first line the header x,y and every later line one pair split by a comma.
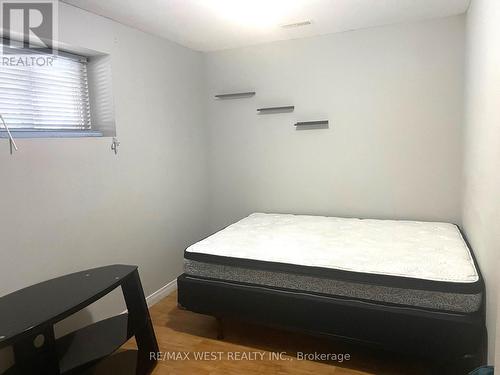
x,y
27,319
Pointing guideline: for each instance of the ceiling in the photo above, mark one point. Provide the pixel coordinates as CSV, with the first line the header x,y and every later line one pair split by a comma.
x,y
209,25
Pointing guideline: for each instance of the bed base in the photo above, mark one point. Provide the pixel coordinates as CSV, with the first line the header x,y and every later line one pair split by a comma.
x,y
455,342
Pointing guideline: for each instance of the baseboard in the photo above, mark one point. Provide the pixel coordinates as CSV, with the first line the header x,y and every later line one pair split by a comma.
x,y
161,293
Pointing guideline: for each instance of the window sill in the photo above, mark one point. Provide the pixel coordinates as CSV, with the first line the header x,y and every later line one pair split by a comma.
x,y
16,134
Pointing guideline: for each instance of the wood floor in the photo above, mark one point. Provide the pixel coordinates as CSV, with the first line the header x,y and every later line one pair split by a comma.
x,y
179,331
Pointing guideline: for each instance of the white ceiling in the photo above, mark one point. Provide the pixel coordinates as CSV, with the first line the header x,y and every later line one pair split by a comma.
x,y
208,25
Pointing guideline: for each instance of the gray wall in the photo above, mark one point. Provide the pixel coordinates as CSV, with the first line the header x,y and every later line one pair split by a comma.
x,y
481,200
394,98
71,204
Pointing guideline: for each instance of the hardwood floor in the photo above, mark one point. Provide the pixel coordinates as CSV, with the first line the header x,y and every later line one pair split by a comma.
x,y
179,331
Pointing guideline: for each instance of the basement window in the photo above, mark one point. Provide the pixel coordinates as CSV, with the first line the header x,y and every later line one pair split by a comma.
x,y
50,95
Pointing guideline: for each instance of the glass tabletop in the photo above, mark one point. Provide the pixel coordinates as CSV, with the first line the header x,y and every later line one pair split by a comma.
x,y
53,300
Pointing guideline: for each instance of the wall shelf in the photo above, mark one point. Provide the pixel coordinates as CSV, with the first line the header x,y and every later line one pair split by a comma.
x,y
270,110
312,124
236,95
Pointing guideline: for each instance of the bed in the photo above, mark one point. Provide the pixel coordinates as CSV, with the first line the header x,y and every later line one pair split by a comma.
x,y
401,285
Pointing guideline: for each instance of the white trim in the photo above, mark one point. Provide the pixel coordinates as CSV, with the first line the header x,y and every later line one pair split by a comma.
x,y
161,293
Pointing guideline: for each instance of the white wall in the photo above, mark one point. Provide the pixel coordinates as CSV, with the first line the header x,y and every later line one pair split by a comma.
x,y
481,207
71,204
394,98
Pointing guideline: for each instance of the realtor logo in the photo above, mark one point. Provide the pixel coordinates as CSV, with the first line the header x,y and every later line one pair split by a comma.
x,y
28,25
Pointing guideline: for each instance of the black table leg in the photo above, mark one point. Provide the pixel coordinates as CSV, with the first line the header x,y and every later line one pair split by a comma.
x,y
140,323
37,354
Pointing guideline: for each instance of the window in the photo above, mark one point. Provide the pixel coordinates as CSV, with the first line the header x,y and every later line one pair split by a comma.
x,y
51,94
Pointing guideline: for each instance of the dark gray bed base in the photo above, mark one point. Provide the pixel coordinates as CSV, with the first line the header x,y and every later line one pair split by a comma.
x,y
457,342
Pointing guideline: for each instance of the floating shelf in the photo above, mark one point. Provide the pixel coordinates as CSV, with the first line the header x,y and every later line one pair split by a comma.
x,y
313,124
269,110
236,95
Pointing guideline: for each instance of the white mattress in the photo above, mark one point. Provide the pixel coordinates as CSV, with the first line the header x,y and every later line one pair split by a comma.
x,y
423,250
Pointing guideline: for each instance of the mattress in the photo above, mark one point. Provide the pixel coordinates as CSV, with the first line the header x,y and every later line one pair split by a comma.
x,y
418,264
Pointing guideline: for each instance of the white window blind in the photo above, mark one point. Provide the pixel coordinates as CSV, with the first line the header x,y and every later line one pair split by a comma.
x,y
48,97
